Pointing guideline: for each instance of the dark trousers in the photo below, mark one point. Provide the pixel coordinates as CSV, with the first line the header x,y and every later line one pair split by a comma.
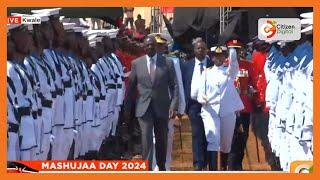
x,y
148,123
128,20
239,142
199,141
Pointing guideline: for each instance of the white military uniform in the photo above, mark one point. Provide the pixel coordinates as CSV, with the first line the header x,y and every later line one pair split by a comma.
x,y
87,107
303,120
69,103
78,111
115,105
100,94
13,147
109,102
95,123
44,87
118,71
216,92
112,92
58,119
24,99
103,102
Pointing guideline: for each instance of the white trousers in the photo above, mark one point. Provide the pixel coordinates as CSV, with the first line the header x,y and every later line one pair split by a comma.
x,y
28,142
38,123
94,143
115,120
77,142
47,117
13,151
218,130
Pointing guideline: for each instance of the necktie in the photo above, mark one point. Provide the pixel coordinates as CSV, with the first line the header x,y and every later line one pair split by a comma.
x,y
201,67
152,69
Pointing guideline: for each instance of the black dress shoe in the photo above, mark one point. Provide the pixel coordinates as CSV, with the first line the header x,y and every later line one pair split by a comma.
x,y
197,168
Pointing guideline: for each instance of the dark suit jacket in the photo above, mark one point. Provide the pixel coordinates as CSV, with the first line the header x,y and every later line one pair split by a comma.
x,y
156,94
187,73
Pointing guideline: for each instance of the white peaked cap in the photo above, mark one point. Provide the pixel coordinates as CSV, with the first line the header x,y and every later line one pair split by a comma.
x,y
98,39
103,32
83,23
78,29
308,15
13,26
307,30
68,26
307,21
92,36
113,33
85,32
90,31
49,12
92,43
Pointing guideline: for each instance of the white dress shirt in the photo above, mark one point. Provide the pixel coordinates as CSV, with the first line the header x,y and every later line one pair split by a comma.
x,y
155,62
197,66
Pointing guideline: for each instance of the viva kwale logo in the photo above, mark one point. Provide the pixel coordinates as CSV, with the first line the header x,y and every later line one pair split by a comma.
x,y
279,29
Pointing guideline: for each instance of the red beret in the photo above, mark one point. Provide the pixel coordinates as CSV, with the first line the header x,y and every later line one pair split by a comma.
x,y
234,43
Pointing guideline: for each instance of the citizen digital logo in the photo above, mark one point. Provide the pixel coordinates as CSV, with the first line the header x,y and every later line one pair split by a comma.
x,y
285,29
301,167
279,29
24,20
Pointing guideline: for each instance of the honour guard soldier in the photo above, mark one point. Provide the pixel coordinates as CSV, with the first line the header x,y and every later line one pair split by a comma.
x,y
13,144
43,86
24,95
101,102
162,48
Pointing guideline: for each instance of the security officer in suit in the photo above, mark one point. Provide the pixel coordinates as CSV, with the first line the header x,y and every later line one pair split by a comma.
x,y
162,47
190,69
243,84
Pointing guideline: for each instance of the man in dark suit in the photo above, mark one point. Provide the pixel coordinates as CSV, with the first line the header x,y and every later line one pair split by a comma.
x,y
195,67
153,75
